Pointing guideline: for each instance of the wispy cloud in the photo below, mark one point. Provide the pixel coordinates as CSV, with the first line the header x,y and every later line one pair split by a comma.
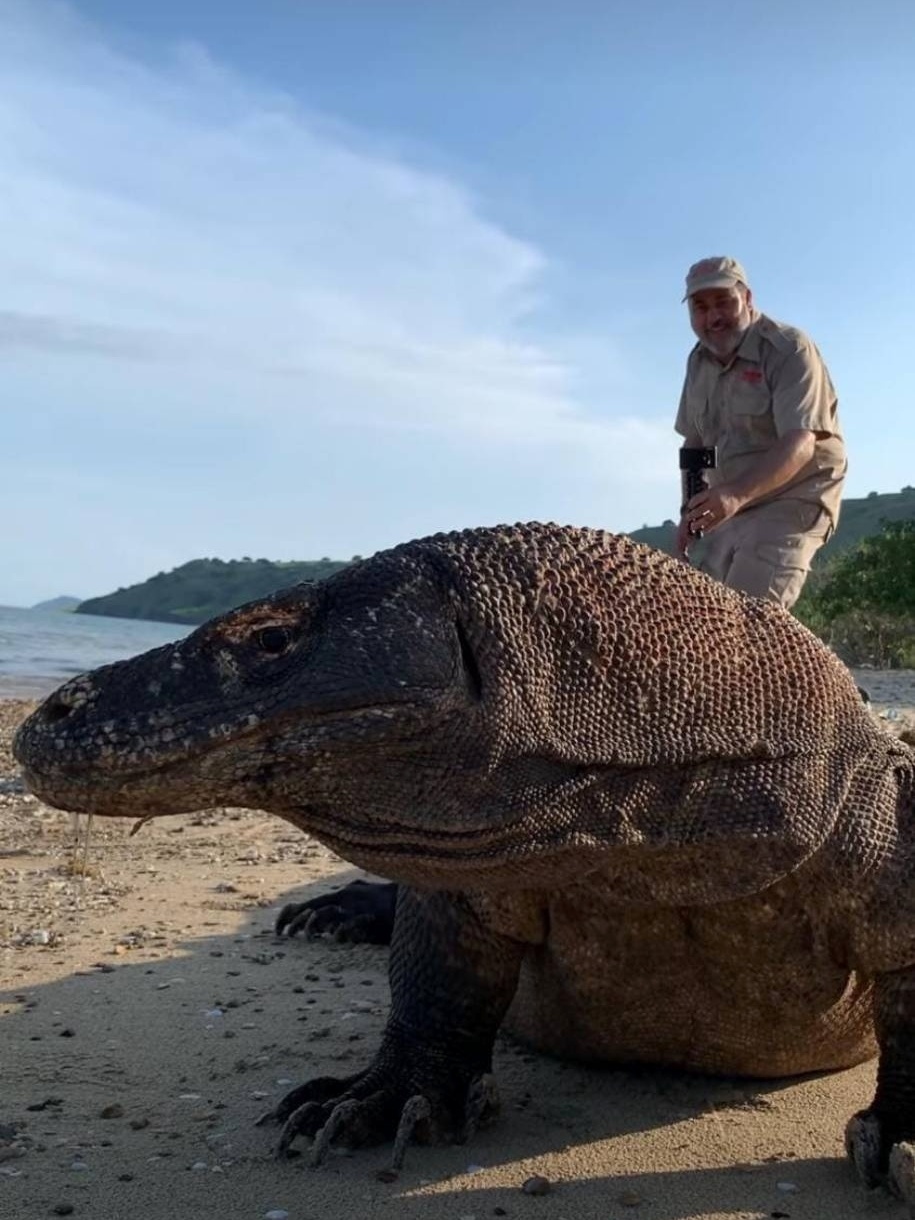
x,y
59,335
180,199
268,262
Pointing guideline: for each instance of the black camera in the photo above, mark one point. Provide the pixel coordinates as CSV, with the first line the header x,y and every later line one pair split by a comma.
x,y
694,462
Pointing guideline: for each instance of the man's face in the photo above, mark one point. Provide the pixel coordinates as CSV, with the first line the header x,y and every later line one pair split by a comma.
x,y
720,317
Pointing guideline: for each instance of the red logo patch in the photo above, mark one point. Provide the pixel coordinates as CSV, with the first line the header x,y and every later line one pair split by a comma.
x,y
754,376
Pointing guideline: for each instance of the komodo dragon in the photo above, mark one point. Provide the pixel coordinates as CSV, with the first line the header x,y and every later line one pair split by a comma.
x,y
633,815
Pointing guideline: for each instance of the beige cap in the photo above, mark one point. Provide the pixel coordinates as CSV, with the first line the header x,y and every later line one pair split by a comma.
x,y
719,271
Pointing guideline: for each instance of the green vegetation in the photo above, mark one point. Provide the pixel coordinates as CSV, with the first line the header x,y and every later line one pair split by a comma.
x,y
204,587
863,602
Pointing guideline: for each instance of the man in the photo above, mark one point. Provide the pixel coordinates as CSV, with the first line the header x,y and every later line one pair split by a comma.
x,y
760,392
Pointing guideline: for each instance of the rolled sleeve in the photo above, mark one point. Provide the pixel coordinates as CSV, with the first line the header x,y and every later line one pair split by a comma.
x,y
682,424
686,423
803,396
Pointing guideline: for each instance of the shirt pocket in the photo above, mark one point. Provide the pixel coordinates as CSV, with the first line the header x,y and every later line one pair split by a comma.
x,y
750,408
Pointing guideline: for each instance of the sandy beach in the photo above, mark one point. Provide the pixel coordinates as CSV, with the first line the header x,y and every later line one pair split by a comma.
x,y
148,1015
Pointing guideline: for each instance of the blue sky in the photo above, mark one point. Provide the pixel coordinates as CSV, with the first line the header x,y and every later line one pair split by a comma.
x,y
295,279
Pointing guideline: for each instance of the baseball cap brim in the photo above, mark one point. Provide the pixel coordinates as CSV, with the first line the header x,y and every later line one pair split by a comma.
x,y
713,281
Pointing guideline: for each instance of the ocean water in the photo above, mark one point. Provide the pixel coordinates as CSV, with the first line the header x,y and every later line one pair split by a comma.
x,y
39,649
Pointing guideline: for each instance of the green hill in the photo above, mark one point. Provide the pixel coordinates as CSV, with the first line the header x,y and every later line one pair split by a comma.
x,y
202,588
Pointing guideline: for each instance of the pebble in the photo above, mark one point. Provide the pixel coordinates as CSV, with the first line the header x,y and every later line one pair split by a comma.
x,y
79,1166
537,1185
276,1213
199,1166
115,1111
62,1209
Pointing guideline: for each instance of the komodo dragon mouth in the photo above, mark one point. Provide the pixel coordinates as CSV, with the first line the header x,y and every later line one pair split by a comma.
x,y
120,769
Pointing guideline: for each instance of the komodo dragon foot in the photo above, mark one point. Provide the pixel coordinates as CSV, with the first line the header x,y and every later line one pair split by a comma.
x,y
452,978
431,1101
361,912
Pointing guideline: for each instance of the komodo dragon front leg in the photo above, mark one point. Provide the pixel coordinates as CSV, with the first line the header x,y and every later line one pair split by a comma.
x,y
452,980
879,1140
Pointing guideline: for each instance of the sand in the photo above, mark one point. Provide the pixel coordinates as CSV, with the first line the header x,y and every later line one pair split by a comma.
x,y
148,1015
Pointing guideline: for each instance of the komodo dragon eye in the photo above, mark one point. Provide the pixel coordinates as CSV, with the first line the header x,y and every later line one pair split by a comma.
x,y
273,640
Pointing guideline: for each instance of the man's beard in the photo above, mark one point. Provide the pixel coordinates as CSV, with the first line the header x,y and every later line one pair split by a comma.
x,y
724,343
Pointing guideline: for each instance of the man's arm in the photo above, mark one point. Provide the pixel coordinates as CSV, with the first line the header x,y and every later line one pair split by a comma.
x,y
773,469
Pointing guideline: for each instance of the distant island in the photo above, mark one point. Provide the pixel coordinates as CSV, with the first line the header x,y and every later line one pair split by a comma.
x,y
202,588
65,604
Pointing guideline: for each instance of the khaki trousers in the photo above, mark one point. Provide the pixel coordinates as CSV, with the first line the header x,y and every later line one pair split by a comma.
x,y
766,551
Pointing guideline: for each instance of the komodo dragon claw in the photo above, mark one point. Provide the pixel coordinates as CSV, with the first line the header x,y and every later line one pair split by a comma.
x,y
361,913
362,1113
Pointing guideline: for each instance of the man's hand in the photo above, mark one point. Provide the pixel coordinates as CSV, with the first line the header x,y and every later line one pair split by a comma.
x,y
708,509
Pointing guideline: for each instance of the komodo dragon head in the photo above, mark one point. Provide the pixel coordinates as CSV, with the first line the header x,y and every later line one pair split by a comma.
x,y
496,707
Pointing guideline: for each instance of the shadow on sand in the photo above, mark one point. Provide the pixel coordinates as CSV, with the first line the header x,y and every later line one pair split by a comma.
x,y
134,1089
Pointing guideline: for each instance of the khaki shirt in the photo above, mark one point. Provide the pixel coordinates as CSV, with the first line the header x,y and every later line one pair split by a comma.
x,y
775,382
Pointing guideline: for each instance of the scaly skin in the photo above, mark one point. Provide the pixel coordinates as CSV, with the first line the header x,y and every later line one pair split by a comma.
x,y
631,813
